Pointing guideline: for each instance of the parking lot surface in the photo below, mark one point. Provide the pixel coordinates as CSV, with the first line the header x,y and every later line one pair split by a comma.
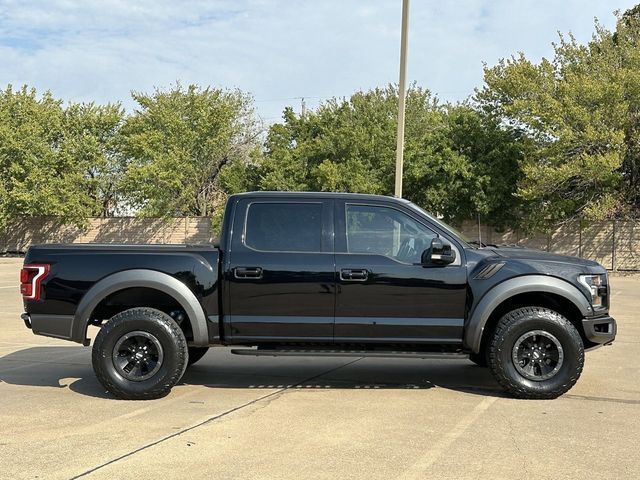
x,y
234,417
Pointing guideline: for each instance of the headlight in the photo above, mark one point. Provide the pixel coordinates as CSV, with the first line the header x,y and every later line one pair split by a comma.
x,y
597,285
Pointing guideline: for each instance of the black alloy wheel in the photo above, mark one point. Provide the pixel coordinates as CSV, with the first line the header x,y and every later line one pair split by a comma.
x,y
140,354
536,353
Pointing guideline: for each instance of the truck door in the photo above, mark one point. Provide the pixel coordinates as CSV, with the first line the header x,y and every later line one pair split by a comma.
x,y
280,271
384,294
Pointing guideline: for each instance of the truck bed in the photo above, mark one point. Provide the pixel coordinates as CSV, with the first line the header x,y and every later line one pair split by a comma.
x,y
77,268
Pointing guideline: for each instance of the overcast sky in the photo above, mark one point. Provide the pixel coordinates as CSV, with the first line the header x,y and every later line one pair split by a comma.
x,y
275,49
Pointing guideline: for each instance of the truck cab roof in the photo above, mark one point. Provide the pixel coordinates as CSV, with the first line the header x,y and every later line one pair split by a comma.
x,y
321,195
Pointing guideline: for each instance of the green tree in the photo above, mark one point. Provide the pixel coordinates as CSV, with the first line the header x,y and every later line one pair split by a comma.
x,y
578,114
38,173
494,152
179,143
345,145
93,140
452,153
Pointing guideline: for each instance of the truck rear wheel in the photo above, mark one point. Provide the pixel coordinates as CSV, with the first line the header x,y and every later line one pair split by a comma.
x,y
195,354
536,353
140,354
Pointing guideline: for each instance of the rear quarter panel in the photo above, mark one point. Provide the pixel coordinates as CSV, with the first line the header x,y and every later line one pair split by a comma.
x,y
76,268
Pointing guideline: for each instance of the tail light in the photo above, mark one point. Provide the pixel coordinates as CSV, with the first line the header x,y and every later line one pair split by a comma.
x,y
31,276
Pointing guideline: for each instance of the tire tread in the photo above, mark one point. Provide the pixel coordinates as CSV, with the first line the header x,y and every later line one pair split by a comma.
x,y
501,331
158,391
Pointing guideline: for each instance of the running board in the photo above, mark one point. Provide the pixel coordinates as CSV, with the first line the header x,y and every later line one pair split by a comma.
x,y
277,352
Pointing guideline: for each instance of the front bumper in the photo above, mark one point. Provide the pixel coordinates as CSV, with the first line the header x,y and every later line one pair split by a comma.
x,y
600,330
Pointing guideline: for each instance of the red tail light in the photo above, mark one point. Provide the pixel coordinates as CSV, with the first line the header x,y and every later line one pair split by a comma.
x,y
31,276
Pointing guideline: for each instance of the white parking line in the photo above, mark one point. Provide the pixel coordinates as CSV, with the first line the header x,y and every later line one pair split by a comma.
x,y
419,470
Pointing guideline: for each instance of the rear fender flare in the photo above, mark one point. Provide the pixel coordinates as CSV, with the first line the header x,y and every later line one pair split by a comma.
x,y
509,288
141,278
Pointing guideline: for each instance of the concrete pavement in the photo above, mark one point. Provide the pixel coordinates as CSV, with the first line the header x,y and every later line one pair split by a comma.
x,y
236,417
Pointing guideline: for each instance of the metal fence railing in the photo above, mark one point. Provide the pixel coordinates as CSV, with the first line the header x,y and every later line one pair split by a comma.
x,y
613,243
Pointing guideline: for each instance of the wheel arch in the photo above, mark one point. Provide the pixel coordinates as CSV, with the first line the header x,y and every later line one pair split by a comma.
x,y
540,289
141,278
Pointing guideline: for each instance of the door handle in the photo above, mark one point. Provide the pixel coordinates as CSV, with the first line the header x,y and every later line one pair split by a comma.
x,y
247,272
354,274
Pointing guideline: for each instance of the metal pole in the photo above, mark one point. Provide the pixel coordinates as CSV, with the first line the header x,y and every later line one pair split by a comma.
x,y
402,97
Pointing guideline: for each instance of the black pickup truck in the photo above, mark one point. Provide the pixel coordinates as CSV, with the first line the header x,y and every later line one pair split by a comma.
x,y
321,274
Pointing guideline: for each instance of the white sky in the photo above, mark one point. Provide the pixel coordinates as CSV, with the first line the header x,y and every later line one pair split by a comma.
x,y
276,50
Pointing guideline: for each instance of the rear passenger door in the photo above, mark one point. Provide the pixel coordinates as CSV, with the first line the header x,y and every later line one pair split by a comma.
x,y
281,271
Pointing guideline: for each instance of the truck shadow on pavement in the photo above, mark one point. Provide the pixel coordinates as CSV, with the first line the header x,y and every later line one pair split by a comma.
x,y
70,367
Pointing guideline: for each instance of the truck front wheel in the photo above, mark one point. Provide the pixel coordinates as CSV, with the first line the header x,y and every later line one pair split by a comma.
x,y
536,353
140,354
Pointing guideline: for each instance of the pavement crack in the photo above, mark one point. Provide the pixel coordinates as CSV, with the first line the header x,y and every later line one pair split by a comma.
x,y
514,441
270,396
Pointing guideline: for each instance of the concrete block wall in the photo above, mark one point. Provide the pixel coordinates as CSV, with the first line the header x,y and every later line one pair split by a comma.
x,y
627,252
614,244
125,230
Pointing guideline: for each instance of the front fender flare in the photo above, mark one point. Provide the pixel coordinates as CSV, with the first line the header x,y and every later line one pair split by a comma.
x,y
514,286
141,278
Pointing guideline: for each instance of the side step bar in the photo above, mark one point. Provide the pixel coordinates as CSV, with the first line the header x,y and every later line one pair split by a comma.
x,y
278,352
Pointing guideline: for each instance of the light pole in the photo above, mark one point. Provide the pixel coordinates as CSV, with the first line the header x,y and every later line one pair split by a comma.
x,y
402,93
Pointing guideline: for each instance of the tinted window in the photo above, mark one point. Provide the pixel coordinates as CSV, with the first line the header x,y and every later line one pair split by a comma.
x,y
284,227
386,231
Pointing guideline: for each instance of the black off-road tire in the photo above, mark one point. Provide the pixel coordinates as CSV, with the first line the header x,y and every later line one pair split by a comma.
x,y
195,354
151,322
513,326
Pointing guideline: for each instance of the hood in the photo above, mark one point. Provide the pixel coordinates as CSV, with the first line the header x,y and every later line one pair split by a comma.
x,y
531,255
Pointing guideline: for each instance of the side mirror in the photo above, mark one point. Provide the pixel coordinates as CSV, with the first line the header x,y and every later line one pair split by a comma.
x,y
439,253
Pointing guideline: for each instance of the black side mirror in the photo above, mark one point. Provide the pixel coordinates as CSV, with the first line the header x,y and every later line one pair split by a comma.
x,y
439,253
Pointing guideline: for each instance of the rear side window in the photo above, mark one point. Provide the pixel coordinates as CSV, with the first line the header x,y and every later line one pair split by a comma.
x,y
284,227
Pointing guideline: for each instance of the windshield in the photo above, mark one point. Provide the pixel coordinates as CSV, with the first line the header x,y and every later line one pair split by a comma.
x,y
449,229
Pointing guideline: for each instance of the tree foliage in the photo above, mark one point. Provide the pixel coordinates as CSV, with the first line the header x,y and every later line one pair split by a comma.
x,y
179,142
538,143
54,160
579,114
93,140
451,152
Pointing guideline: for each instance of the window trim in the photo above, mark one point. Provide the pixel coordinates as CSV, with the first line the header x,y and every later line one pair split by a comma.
x,y
288,202
454,245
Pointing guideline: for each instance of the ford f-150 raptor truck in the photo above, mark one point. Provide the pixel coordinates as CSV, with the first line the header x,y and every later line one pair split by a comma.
x,y
321,274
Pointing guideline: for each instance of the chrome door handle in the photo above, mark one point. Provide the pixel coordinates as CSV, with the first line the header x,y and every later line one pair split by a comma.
x,y
247,272
354,274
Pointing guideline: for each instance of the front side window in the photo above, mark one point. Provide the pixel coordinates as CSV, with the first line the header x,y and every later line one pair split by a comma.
x,y
386,231
284,227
